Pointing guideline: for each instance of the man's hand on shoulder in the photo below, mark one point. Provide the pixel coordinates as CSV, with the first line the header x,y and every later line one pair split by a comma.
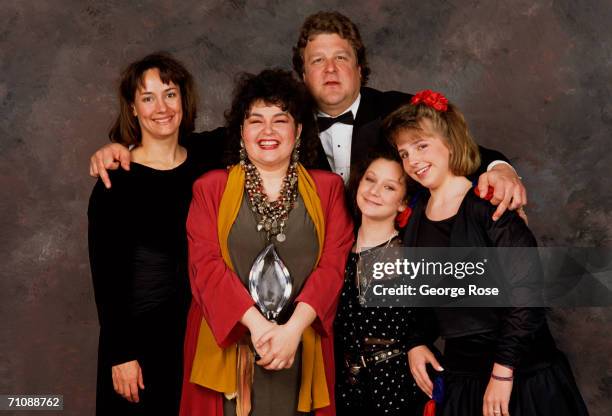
x,y
508,189
109,157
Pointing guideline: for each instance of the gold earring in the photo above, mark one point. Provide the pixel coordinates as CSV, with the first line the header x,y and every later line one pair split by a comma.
x,y
295,155
242,154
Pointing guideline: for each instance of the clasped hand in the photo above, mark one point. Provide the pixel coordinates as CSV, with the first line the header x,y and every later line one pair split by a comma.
x,y
277,346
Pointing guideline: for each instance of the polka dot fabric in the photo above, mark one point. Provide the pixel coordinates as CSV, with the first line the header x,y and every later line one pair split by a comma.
x,y
385,388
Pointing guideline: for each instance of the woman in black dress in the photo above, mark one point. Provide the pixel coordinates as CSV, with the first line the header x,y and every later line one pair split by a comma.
x,y
140,281
498,361
369,379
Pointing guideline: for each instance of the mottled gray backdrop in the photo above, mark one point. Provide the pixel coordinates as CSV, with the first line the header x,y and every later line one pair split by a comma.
x,y
533,78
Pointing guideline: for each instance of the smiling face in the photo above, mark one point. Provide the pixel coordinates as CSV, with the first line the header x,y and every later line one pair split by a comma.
x,y
331,72
382,190
425,154
158,107
269,135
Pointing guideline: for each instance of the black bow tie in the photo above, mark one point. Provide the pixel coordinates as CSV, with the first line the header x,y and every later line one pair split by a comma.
x,y
326,122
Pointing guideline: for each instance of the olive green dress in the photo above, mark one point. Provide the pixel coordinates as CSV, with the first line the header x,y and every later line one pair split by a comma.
x,y
274,393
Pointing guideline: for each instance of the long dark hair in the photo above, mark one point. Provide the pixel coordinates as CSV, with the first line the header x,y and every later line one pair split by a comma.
x,y
126,129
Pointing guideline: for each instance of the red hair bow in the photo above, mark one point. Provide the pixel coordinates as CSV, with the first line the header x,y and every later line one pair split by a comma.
x,y
431,99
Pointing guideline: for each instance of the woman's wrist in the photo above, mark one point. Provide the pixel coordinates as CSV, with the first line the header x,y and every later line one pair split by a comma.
x,y
302,317
502,372
412,347
501,378
253,319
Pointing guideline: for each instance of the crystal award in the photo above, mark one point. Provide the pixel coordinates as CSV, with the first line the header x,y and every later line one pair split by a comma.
x,y
270,283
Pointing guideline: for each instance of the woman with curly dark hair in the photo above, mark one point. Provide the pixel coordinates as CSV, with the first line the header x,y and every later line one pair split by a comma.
x,y
268,242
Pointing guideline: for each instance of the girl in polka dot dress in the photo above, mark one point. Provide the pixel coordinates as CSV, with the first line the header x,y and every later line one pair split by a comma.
x,y
372,370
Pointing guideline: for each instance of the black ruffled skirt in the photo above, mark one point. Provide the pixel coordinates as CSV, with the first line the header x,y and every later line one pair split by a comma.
x,y
543,387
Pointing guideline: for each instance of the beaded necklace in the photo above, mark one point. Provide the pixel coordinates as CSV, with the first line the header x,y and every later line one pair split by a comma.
x,y
272,216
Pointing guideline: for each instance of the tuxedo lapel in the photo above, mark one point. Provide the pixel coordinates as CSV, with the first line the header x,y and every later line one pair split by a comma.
x,y
373,107
364,137
321,162
366,129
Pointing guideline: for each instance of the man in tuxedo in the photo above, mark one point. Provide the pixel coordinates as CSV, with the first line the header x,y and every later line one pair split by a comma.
x,y
331,59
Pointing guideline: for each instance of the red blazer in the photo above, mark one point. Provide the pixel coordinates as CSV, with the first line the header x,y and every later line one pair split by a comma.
x,y
221,298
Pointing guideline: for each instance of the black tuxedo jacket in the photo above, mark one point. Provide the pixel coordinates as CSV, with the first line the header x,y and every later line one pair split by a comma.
x,y
373,108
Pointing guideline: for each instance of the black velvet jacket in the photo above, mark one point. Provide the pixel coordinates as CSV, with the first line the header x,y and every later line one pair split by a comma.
x,y
473,226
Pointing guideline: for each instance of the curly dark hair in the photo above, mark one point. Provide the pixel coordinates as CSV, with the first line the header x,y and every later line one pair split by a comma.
x,y
381,151
273,87
330,22
126,129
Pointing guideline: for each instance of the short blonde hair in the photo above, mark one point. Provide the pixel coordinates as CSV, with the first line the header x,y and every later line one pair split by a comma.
x,y
450,124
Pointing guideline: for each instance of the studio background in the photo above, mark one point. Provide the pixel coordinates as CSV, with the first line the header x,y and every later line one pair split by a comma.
x,y
532,77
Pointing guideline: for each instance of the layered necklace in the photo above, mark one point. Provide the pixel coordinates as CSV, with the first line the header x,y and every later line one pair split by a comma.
x,y
363,283
272,216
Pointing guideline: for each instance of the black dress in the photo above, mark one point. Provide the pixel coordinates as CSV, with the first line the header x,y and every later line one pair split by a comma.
x,y
385,388
476,338
138,256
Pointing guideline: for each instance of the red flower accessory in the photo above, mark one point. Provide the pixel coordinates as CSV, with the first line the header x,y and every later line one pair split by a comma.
x,y
402,218
431,99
